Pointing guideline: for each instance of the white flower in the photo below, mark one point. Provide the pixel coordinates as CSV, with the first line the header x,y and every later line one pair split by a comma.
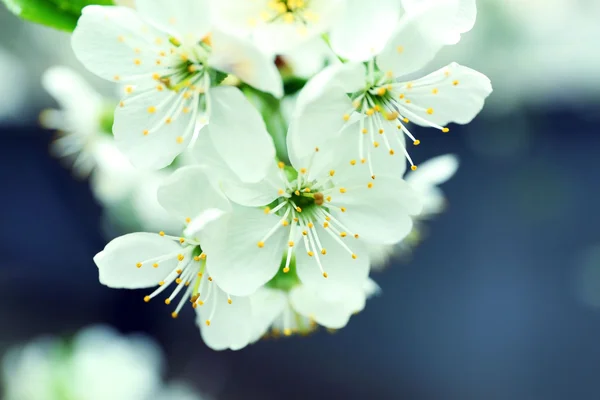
x,y
78,121
143,260
299,309
322,210
169,58
385,101
98,365
425,181
277,25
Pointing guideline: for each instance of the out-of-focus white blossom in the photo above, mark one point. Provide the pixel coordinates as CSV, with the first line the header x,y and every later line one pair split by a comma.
x,y
99,364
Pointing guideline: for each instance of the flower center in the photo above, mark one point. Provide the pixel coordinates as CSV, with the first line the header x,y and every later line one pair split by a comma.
x,y
289,11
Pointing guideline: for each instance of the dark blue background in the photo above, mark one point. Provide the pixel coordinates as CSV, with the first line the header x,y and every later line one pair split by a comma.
x,y
487,307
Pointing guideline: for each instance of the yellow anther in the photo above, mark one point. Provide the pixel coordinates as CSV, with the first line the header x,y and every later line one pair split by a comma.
x,y
167,301
121,38
407,101
302,170
139,265
381,131
229,301
286,270
346,117
363,160
187,95
116,77
298,209
376,144
155,76
413,167
392,116
267,210
381,91
391,152
325,275
207,322
180,257
203,256
155,265
356,236
151,110
342,190
291,243
186,110
188,220
181,240
196,258
343,209
281,164
370,185
370,112
296,219
285,222
137,61
161,283
409,85
162,54
304,233
343,234
430,111
323,251
310,253
288,18
174,314
406,120
160,88
325,224
447,73
435,91
210,279
445,130
455,83
306,190
146,299
287,332
260,244
280,192
121,104
168,121
146,132
417,142
401,96
400,49
178,281
161,233
332,172
389,74
129,89
310,225
354,256
328,198
365,131
352,162
297,193
356,103
158,62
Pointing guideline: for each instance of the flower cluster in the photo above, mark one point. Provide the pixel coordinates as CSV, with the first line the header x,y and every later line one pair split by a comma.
x,y
279,221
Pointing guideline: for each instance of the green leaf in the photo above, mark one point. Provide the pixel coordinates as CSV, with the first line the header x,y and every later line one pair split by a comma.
x,y
58,14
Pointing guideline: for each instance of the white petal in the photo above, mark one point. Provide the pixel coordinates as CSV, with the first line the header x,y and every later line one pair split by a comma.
x,y
434,171
378,210
72,93
463,21
151,128
189,193
237,17
343,77
267,305
317,122
241,58
460,95
234,259
364,28
230,325
117,263
106,39
333,312
371,288
184,19
239,134
247,194
342,269
416,40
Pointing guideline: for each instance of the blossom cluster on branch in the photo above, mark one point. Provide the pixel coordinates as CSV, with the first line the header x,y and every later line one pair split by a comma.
x,y
275,221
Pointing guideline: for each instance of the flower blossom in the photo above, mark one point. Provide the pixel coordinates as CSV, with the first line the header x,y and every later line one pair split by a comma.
x,y
320,211
170,59
383,99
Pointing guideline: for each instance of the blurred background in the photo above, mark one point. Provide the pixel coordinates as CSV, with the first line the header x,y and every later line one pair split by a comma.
x,y
500,301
